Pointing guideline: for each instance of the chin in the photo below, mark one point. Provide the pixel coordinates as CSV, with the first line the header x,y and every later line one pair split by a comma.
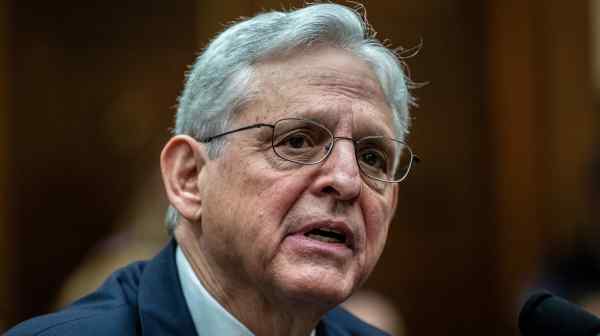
x,y
327,289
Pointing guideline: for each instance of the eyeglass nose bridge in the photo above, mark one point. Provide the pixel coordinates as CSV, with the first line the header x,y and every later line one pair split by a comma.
x,y
329,146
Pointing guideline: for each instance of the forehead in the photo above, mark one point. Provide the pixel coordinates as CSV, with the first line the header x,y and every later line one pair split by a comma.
x,y
326,84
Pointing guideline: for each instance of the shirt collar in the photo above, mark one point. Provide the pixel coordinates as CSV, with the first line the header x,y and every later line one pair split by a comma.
x,y
210,318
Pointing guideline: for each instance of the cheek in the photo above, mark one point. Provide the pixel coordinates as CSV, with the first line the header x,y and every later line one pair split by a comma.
x,y
275,191
377,214
263,198
264,213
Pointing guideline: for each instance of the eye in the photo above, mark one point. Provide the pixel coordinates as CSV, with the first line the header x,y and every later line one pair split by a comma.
x,y
300,141
373,159
296,140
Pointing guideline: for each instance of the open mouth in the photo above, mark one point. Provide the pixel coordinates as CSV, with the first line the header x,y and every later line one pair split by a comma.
x,y
327,235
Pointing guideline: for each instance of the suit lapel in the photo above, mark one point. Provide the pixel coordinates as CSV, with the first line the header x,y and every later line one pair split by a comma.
x,y
162,308
326,328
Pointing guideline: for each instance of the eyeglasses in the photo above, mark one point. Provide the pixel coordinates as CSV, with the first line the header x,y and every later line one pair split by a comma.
x,y
307,142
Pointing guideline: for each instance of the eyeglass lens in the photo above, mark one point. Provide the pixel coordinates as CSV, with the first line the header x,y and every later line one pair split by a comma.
x,y
306,142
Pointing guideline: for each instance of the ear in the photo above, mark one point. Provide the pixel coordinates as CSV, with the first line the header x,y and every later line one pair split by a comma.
x,y
182,161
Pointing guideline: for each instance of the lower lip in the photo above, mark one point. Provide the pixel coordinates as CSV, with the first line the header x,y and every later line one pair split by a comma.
x,y
308,245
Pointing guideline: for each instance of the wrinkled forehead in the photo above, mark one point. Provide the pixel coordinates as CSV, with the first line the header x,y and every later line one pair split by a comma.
x,y
321,66
324,84
364,117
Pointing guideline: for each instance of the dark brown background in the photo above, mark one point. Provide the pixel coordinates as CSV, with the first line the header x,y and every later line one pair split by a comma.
x,y
505,129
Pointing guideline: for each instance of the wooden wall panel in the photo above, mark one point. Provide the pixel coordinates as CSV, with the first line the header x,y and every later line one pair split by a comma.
x,y
94,85
5,228
213,16
567,145
542,133
514,134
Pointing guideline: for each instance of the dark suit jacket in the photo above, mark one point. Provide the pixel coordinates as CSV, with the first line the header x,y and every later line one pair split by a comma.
x,y
145,298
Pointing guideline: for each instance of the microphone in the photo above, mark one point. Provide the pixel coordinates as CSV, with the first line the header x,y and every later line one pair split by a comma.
x,y
547,315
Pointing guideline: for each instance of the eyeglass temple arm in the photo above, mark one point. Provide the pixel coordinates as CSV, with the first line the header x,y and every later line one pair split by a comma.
x,y
209,139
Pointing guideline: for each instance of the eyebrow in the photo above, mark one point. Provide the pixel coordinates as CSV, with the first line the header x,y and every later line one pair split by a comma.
x,y
368,129
323,115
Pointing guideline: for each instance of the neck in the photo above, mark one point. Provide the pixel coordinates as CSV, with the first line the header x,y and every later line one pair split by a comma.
x,y
264,315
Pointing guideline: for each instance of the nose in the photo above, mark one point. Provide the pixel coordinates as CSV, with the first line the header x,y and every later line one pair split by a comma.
x,y
339,174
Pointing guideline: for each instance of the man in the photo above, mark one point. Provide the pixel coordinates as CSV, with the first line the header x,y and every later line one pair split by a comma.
x,y
283,179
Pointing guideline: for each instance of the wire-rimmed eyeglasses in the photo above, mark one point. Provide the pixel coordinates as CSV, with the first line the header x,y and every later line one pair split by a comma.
x,y
307,142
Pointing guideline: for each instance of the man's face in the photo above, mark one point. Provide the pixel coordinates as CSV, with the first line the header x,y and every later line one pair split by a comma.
x,y
263,217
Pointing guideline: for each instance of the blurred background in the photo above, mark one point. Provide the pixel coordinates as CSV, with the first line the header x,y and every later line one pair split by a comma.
x,y
505,200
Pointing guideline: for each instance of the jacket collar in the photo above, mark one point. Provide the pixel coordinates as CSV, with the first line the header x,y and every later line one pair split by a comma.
x,y
162,307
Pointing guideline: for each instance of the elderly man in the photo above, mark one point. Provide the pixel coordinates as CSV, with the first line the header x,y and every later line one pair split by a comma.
x,y
283,179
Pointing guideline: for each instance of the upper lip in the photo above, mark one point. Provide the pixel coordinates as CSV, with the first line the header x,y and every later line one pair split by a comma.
x,y
337,225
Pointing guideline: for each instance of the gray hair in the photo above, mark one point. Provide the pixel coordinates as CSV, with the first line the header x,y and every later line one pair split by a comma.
x,y
218,84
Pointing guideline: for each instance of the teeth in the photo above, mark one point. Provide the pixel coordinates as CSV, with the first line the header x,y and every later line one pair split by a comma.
x,y
327,235
322,238
330,230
